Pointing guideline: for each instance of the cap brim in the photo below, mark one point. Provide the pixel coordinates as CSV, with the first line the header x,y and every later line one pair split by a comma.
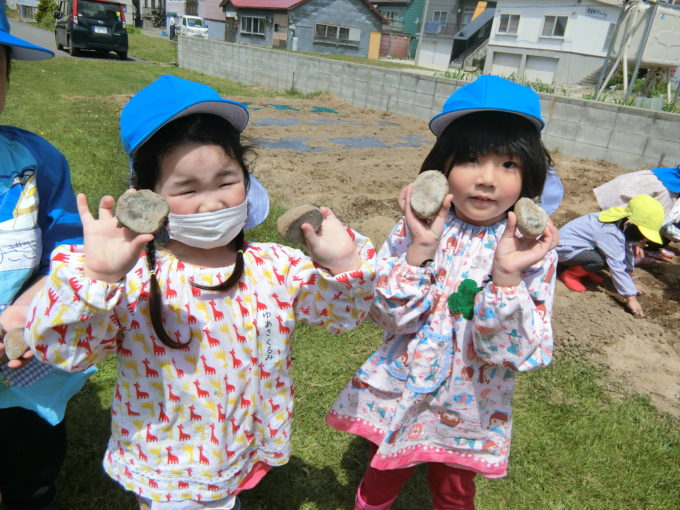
x,y
233,112
24,50
652,235
440,122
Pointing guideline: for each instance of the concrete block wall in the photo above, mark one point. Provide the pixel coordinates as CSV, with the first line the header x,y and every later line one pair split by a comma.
x,y
633,138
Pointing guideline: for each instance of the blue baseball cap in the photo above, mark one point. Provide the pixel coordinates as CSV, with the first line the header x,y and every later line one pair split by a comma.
x,y
169,98
20,49
489,93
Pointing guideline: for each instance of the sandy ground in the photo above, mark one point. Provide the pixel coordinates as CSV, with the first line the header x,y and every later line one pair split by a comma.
x,y
322,151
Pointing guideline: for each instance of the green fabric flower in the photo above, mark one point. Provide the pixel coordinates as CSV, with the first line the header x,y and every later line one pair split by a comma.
x,y
463,300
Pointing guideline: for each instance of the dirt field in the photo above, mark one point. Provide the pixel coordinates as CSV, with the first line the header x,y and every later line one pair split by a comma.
x,y
324,152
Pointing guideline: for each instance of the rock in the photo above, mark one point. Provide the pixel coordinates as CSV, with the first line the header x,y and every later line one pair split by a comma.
x,y
428,192
14,343
531,218
289,223
143,211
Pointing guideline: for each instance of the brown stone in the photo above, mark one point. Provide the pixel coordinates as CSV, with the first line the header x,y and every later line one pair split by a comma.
x,y
289,223
428,192
531,217
143,211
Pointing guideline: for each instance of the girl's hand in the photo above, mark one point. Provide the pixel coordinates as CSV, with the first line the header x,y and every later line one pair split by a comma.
x,y
425,236
331,247
638,251
515,254
110,251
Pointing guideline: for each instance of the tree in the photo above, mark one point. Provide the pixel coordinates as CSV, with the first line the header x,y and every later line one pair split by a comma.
x,y
45,12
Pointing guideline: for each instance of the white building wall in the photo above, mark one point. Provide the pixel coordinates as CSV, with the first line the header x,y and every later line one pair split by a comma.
x,y
585,33
567,59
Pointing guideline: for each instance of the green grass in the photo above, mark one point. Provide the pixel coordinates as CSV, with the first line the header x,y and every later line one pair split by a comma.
x,y
159,50
576,445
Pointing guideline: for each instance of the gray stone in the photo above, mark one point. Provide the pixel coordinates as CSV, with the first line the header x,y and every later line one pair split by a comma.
x,y
14,343
428,192
289,223
531,218
143,211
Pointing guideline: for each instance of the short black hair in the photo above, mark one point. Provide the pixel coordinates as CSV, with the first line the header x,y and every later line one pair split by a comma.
x,y
481,133
203,128
631,232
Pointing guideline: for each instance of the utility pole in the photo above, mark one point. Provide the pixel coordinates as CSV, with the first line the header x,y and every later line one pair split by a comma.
x,y
422,29
643,46
603,69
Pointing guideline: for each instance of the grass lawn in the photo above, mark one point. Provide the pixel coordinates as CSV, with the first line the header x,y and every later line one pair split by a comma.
x,y
576,446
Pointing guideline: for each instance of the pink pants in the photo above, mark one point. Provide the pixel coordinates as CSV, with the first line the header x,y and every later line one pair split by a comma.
x,y
451,488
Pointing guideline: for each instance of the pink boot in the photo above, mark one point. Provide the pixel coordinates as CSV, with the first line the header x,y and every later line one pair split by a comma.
x,y
360,504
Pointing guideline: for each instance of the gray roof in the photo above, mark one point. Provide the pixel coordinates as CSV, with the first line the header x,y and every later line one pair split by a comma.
x,y
475,24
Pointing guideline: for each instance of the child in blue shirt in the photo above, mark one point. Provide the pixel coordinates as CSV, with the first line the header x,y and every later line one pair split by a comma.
x,y
37,212
599,240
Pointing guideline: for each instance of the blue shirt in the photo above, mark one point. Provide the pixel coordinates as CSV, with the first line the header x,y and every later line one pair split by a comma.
x,y
587,233
37,212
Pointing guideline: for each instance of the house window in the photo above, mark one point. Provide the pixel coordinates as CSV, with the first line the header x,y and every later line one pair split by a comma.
x,y
252,25
440,17
336,34
438,22
391,15
608,39
509,23
467,15
554,26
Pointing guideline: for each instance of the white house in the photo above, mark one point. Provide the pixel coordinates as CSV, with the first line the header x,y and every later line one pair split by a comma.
x,y
568,41
556,41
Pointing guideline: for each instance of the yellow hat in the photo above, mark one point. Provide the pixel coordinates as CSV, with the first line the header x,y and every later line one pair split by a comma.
x,y
643,211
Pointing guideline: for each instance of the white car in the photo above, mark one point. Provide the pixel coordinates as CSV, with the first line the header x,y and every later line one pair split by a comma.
x,y
194,26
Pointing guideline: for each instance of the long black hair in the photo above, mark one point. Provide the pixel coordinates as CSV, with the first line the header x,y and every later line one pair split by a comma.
x,y
482,133
205,129
8,59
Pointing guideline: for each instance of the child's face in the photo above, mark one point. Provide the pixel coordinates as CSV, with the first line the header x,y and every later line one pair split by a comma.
x,y
485,187
197,178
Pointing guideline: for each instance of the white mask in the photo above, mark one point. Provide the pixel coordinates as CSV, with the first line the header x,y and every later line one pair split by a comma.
x,y
209,229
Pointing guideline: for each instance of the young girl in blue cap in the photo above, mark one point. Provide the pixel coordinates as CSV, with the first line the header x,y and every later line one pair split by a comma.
x,y
465,302
201,322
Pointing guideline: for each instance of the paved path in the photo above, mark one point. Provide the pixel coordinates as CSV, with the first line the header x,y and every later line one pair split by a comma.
x,y
45,38
35,35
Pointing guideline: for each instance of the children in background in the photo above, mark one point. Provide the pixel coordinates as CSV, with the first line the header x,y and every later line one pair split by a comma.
x,y
202,326
662,184
465,302
599,240
37,213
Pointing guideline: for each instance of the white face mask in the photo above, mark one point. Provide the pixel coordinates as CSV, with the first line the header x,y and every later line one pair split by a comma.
x,y
210,229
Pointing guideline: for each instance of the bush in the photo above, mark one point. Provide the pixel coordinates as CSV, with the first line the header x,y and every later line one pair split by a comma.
x,y
45,14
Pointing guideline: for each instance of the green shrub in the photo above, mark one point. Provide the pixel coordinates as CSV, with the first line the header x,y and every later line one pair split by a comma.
x,y
45,13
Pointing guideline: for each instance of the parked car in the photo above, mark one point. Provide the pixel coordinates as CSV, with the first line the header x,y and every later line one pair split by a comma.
x,y
91,25
194,26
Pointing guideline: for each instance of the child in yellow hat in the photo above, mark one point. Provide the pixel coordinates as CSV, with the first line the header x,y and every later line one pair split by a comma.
x,y
599,240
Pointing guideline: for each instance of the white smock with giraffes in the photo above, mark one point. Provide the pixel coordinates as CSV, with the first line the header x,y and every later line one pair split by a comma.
x,y
198,422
